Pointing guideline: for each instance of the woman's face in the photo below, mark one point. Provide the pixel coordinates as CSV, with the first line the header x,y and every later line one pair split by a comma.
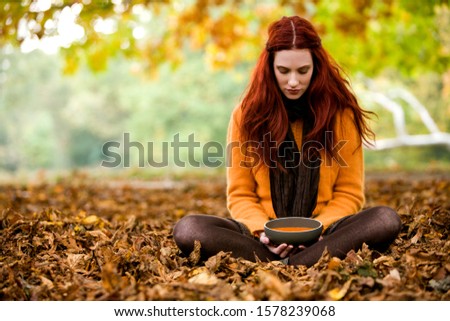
x,y
293,71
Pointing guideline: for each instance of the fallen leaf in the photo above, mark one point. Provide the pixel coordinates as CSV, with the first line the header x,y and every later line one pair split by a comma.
x,y
338,293
204,277
90,220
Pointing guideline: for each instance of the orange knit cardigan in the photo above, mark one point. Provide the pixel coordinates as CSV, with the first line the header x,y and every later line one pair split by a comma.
x,y
341,184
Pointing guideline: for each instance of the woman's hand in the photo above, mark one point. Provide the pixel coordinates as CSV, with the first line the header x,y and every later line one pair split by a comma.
x,y
282,250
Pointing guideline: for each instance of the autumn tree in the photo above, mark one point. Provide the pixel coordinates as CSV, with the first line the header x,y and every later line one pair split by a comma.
x,y
366,35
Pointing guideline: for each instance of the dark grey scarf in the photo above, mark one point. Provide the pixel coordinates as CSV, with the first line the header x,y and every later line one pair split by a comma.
x,y
294,191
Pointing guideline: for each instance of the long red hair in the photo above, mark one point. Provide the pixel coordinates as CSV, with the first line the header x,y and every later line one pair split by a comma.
x,y
328,93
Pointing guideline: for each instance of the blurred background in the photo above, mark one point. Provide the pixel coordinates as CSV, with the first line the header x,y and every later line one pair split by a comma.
x,y
75,75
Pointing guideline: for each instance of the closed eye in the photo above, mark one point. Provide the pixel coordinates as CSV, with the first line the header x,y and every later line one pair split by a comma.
x,y
303,70
283,70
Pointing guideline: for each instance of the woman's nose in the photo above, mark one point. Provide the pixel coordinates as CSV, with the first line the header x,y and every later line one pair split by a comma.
x,y
292,81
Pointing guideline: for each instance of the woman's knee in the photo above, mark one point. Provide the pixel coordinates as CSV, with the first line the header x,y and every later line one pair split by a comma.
x,y
184,231
390,219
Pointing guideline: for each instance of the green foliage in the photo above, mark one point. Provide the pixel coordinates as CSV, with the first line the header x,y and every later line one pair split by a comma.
x,y
371,36
413,159
64,121
364,35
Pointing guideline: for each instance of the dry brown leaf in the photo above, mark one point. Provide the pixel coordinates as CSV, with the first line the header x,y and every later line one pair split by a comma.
x,y
274,287
195,255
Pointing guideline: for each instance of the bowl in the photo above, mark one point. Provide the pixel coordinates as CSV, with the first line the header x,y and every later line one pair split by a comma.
x,y
293,230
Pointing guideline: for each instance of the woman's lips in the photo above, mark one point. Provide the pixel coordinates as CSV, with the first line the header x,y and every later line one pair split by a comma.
x,y
293,91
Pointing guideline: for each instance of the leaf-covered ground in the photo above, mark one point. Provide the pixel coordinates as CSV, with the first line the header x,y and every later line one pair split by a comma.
x,y
81,238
